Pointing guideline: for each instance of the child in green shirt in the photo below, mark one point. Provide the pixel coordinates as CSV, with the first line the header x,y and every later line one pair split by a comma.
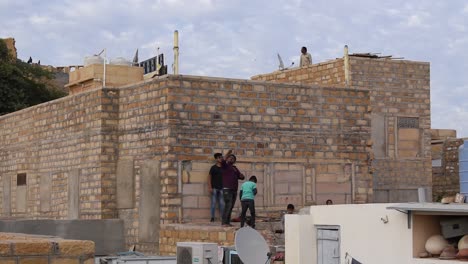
x,y
247,195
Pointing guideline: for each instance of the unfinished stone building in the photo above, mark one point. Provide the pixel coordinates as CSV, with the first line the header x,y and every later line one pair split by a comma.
x,y
445,163
354,129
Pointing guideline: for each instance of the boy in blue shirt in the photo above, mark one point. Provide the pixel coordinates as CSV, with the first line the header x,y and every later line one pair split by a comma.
x,y
247,195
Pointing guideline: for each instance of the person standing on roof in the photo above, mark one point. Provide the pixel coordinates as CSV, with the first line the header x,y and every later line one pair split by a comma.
x,y
306,58
215,186
231,176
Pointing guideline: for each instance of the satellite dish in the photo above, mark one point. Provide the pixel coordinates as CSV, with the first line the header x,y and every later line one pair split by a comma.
x,y
251,246
281,64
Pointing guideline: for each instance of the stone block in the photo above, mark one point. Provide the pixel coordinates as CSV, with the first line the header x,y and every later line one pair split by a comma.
x,y
74,194
28,247
5,248
199,176
195,213
190,201
203,166
282,188
331,187
89,261
204,201
125,184
60,260
288,176
6,195
45,190
76,247
8,260
335,169
149,212
33,260
194,189
21,198
408,134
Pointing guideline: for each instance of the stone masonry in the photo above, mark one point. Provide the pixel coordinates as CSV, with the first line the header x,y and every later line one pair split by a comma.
x,y
399,94
445,163
22,248
141,152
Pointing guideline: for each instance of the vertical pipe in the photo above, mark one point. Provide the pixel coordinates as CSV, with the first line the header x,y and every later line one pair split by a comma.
x,y
176,52
314,184
346,65
104,73
179,177
304,186
353,182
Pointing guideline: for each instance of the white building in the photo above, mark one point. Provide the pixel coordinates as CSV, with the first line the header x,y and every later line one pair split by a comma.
x,y
370,233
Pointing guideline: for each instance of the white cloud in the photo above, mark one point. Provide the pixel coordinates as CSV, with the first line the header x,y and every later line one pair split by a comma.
x,y
465,9
414,21
418,20
40,20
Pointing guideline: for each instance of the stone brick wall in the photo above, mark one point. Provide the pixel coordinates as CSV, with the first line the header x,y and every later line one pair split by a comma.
x,y
329,73
66,141
22,248
398,89
446,178
173,233
141,152
278,132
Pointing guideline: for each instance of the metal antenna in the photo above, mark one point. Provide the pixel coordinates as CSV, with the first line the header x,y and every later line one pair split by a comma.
x,y
281,64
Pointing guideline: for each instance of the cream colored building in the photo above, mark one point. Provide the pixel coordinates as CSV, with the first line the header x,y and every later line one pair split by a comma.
x,y
370,233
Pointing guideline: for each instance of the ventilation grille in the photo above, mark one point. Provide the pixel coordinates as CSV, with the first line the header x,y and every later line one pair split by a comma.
x,y
184,255
408,122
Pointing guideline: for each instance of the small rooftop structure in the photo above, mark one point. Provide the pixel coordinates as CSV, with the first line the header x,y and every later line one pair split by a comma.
x,y
91,76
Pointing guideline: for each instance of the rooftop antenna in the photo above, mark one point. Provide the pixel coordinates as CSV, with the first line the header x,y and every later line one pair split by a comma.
x,y
281,64
135,59
176,52
104,74
158,66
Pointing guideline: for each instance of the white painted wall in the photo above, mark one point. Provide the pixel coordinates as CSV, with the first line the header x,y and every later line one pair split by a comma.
x,y
363,234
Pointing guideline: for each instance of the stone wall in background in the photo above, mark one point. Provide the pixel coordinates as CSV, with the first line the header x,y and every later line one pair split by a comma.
x,y
445,163
329,73
47,148
399,105
401,123
173,233
293,137
142,152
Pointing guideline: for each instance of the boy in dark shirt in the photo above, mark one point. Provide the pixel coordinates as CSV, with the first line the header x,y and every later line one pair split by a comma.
x,y
215,186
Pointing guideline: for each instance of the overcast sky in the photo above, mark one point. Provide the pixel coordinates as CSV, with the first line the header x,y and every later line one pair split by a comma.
x,y
240,39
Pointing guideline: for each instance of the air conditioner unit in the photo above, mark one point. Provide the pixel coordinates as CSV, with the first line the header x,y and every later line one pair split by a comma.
x,y
197,253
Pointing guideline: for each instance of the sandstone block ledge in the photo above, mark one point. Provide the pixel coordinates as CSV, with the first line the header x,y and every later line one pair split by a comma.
x,y
23,249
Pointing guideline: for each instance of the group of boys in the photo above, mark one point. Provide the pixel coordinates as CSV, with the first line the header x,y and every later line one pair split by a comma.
x,y
223,185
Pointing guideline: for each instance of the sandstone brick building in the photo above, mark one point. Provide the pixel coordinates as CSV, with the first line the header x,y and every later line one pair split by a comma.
x,y
445,163
354,129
